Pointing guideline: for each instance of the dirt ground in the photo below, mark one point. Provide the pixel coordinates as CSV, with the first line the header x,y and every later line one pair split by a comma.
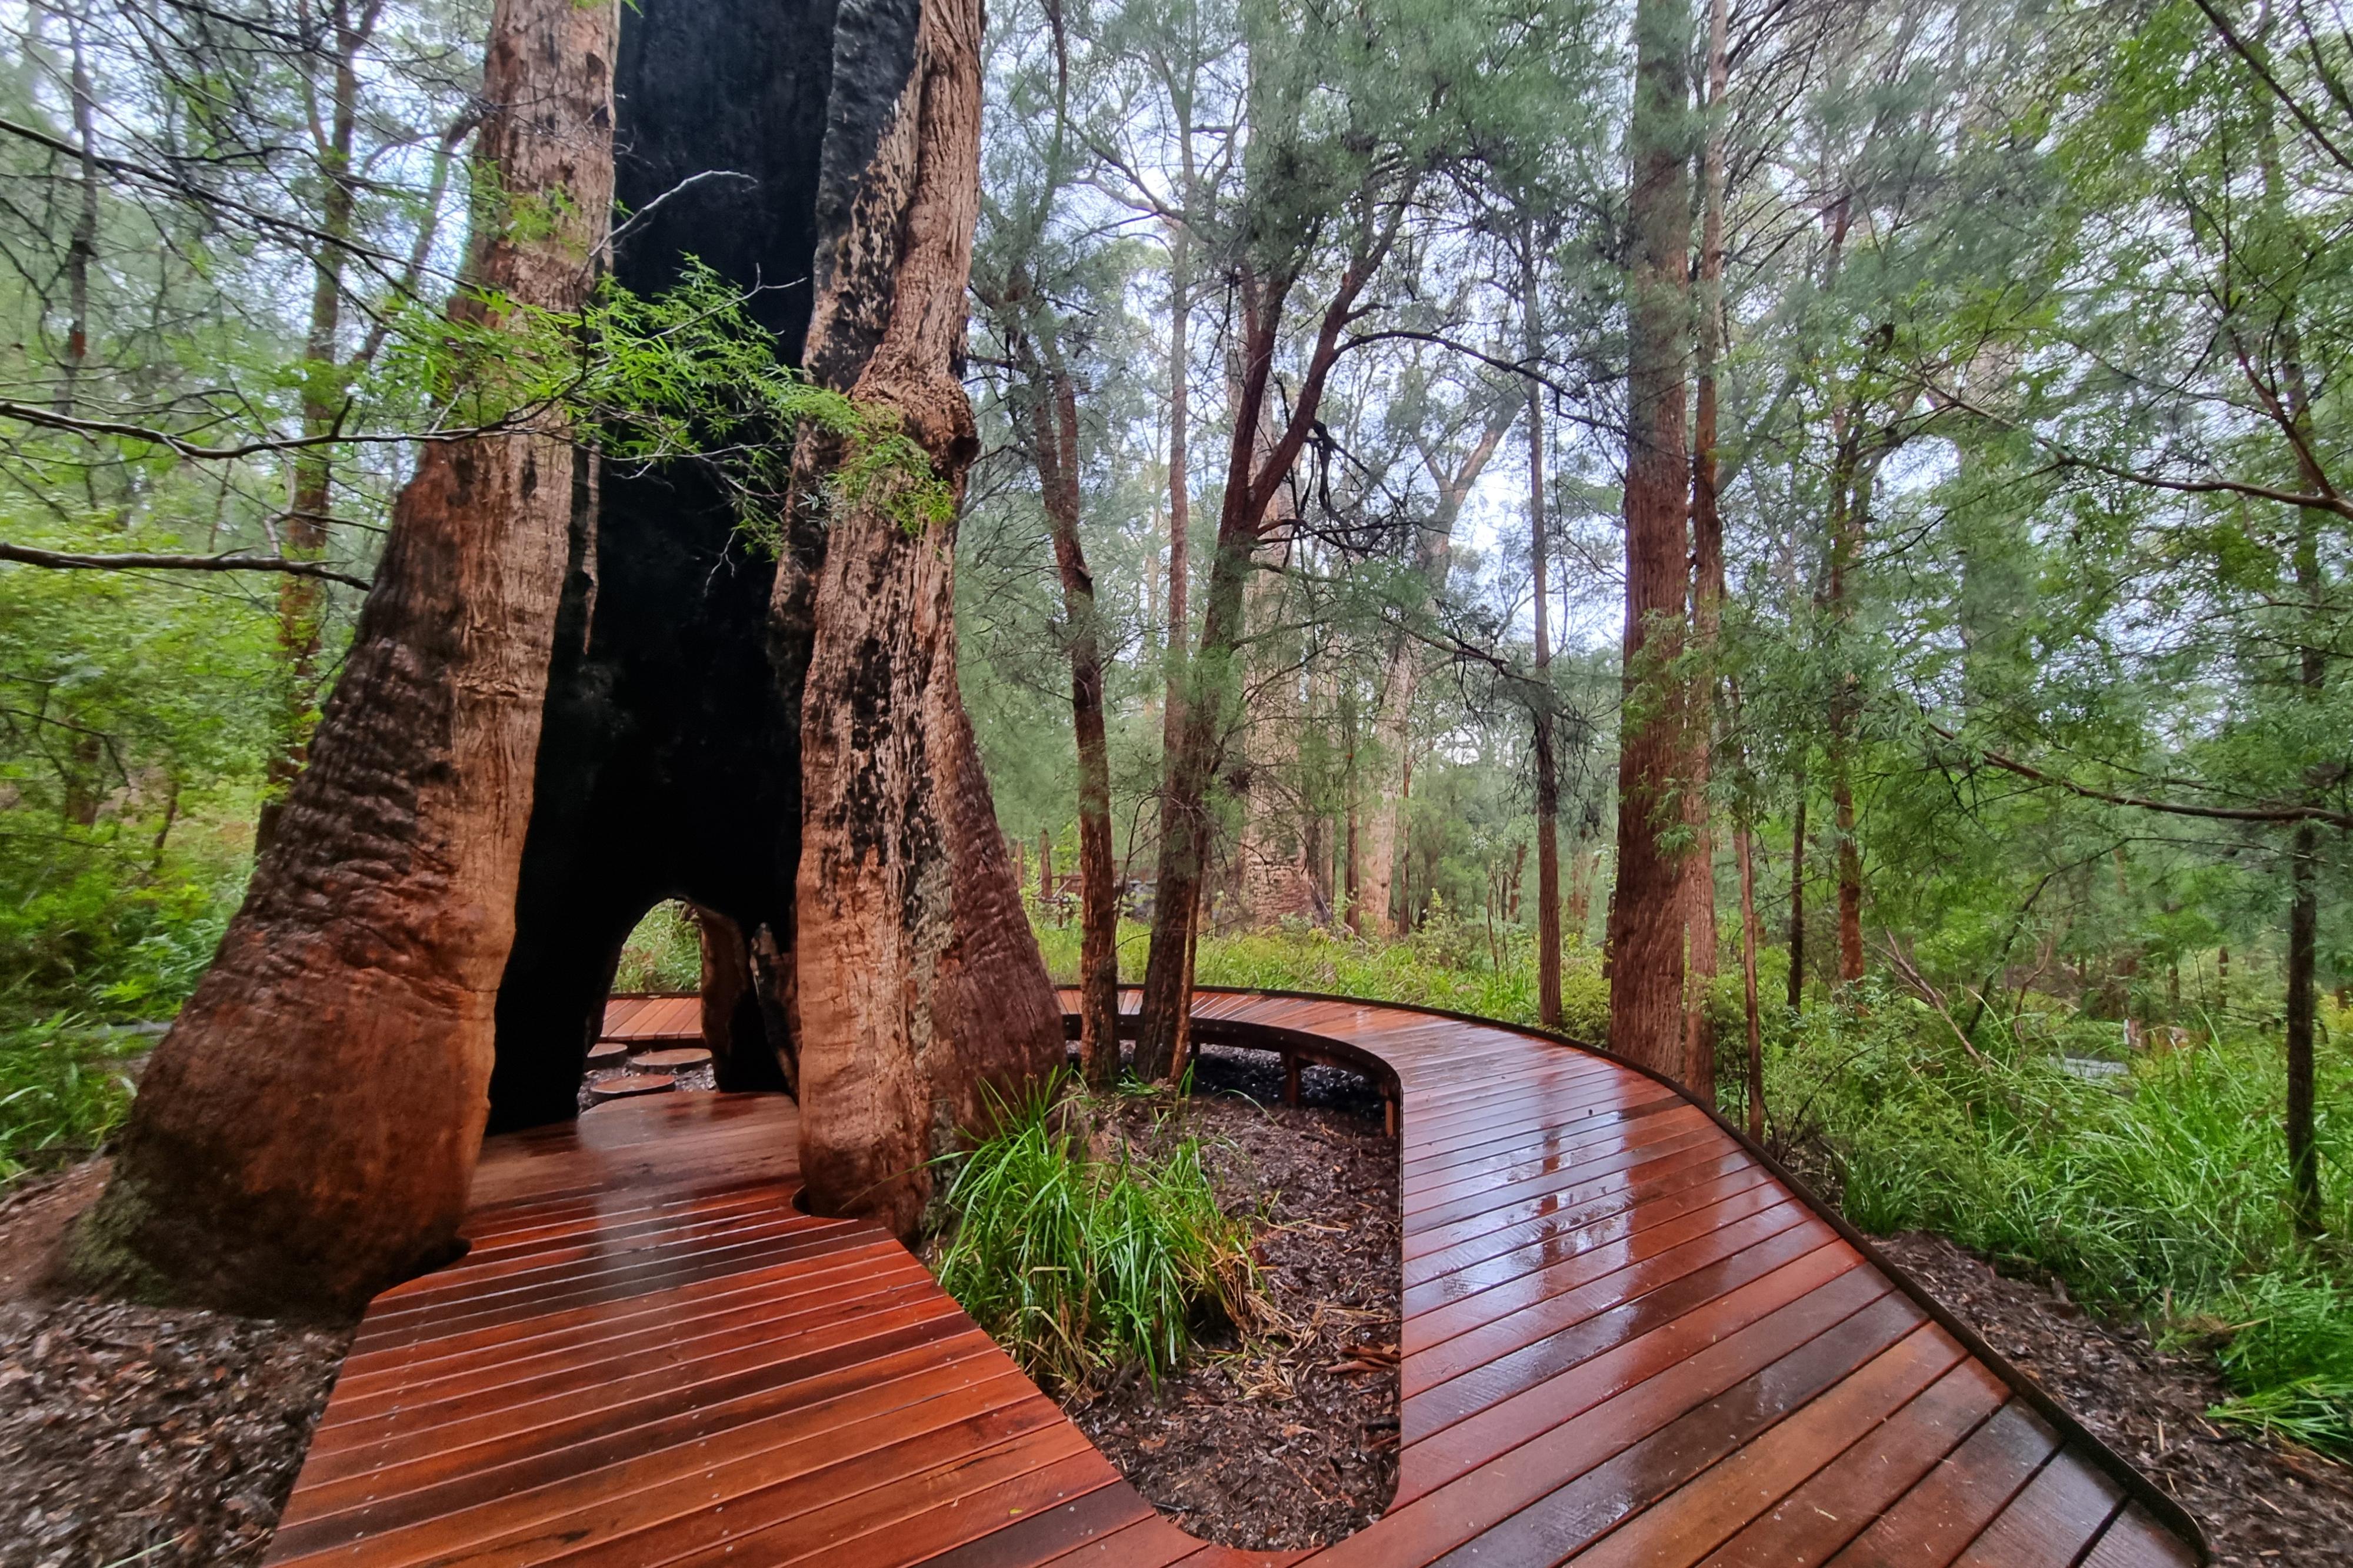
x,y
2258,1502
128,1434
1292,1441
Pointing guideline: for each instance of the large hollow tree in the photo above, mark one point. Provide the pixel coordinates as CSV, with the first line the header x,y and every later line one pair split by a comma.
x,y
920,985
349,1013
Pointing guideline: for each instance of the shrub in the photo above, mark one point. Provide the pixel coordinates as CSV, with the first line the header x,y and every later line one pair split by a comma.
x,y
1078,1264
65,1086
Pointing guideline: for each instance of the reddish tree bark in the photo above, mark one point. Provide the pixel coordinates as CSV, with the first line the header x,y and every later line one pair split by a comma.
x,y
1706,585
920,986
1055,430
1646,911
349,1011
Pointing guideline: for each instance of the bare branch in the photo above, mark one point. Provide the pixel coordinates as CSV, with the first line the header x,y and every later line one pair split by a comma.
x,y
60,561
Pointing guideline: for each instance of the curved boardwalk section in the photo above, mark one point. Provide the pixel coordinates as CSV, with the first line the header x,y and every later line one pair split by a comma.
x,y
1626,1341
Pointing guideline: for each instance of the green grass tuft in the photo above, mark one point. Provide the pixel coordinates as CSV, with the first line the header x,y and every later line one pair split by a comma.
x,y
1078,1265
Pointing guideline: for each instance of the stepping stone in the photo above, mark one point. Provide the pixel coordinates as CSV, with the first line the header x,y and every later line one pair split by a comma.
x,y
683,1059
632,1084
608,1054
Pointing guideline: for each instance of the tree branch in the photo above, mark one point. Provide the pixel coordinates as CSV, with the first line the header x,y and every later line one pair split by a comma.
x,y
2281,813
26,555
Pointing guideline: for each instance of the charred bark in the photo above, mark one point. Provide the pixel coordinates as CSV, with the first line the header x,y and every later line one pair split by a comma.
x,y
920,986
350,1007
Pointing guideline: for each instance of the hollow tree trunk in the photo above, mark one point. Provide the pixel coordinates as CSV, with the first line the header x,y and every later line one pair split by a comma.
x,y
1646,924
349,1011
1055,431
920,986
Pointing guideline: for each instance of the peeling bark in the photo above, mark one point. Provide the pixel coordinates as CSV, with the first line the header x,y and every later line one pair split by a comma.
x,y
350,1007
920,985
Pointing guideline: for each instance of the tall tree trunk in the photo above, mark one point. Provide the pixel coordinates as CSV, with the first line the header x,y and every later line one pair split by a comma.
x,y
1707,583
1742,849
302,601
1646,924
349,1011
1180,487
81,249
1393,712
1055,430
1846,696
1547,767
921,989
1798,896
1212,678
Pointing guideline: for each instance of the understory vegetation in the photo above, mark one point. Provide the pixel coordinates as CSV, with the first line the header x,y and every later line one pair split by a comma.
x,y
1082,1254
2151,1187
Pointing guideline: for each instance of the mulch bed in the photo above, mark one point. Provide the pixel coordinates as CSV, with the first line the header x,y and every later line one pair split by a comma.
x,y
163,1437
1289,1440
2260,1503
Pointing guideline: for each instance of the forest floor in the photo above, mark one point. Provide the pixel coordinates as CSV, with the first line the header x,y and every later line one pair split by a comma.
x,y
2259,1502
165,1437
1289,1439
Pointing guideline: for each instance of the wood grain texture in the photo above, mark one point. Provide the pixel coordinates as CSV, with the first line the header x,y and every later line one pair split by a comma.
x,y
1625,1341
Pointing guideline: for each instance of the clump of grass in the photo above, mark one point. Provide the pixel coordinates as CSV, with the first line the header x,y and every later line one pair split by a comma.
x,y
64,1087
1079,1265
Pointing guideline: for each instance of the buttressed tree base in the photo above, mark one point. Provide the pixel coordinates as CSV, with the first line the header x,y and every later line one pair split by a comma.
x,y
779,741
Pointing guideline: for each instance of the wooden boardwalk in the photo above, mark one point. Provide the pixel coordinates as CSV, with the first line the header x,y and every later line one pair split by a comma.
x,y
1626,1340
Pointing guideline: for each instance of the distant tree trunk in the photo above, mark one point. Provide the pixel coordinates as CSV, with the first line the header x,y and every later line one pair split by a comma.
x,y
1798,897
1707,583
920,985
349,1011
1055,431
1045,865
1646,914
1845,705
1548,765
1212,678
81,249
302,601
1742,848
1393,712
1180,487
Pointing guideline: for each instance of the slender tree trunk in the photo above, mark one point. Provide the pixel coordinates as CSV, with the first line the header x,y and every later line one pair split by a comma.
x,y
921,989
81,250
1846,482
1798,897
1646,914
1055,430
1180,487
302,601
1393,713
1547,767
2303,924
349,1011
1707,583
1741,851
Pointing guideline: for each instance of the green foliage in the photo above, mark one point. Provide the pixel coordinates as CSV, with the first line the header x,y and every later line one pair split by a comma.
x,y
682,376
1078,1263
64,1087
2157,1193
664,953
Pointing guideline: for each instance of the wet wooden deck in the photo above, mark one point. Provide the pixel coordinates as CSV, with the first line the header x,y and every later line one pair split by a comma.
x,y
1627,1339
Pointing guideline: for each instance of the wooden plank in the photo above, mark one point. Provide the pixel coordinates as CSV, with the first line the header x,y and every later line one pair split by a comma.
x,y
1858,1485
2134,1538
2061,1510
1935,1522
